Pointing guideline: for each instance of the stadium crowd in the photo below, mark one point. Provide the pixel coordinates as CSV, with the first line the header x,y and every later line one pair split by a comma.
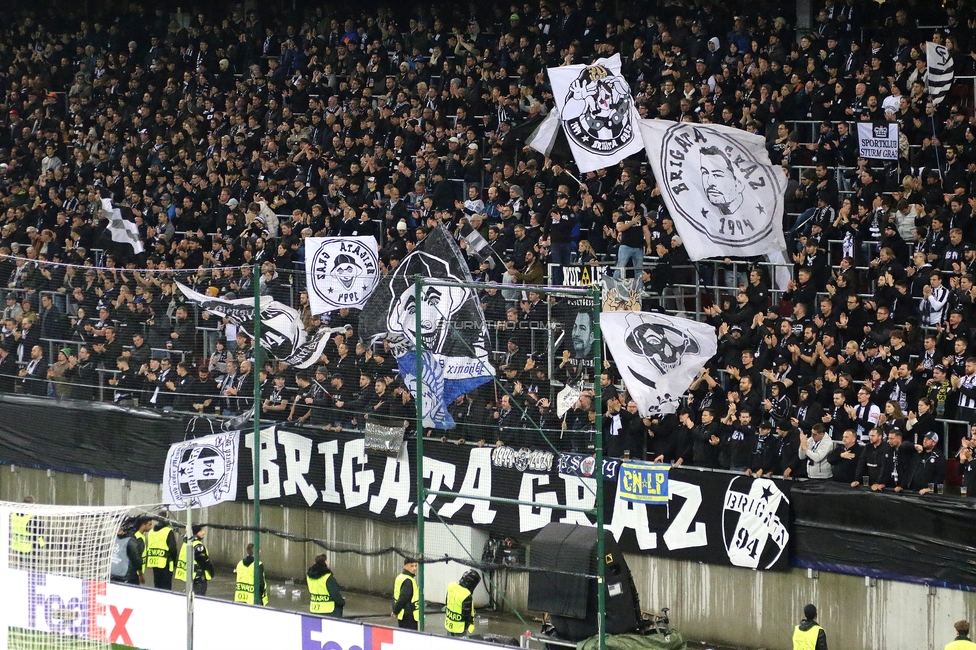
x,y
228,137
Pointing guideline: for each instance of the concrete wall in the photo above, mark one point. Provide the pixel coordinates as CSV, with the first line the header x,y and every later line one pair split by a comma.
x,y
722,604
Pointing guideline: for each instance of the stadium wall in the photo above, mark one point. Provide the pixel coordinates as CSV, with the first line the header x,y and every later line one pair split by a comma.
x,y
722,604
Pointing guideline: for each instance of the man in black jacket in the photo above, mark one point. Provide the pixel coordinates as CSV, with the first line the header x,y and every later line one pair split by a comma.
x,y
928,465
786,451
35,374
706,438
845,457
875,463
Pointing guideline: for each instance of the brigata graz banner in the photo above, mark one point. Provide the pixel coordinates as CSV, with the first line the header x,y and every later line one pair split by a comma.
x,y
711,516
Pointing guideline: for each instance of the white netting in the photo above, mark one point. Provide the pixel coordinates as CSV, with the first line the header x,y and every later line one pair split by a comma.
x,y
54,563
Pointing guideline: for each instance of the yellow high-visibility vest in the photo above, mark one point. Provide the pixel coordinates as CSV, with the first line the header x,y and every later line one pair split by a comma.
x,y
454,620
145,548
806,639
21,540
181,562
244,593
398,584
321,599
157,548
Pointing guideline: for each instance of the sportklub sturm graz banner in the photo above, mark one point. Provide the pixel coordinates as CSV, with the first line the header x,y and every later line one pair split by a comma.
x,y
711,517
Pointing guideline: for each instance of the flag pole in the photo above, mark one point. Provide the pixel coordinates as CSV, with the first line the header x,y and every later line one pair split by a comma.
x,y
418,347
256,281
190,566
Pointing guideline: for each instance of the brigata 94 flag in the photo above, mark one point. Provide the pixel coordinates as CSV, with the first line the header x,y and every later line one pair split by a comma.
x,y
201,472
724,194
597,112
658,355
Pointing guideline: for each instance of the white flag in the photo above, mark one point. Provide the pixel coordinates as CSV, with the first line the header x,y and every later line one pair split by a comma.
x,y
282,333
878,140
939,73
544,137
201,472
597,112
120,230
725,196
340,272
658,356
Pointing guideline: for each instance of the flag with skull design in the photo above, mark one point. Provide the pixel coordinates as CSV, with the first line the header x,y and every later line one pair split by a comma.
x,y
658,355
454,336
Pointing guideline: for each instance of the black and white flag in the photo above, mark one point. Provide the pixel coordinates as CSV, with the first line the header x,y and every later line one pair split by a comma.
x,y
120,230
340,272
475,245
282,334
878,140
940,71
724,194
453,336
597,113
658,356
201,472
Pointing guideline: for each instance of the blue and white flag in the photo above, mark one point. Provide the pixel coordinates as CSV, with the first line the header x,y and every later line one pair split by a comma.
x,y
453,336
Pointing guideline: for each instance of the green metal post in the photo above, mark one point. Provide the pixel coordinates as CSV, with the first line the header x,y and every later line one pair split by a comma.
x,y
256,370
598,405
421,494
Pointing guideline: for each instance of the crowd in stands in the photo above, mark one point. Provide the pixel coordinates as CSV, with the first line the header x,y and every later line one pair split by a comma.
x,y
229,136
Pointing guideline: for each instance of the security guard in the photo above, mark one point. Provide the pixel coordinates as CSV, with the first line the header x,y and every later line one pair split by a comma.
x,y
144,525
961,642
323,589
203,568
808,635
244,593
406,595
460,604
161,552
25,537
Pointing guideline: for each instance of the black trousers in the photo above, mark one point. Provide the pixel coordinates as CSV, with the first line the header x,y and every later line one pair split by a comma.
x,y
407,623
163,579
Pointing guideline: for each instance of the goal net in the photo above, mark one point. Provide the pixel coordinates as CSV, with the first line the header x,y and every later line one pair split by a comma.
x,y
55,562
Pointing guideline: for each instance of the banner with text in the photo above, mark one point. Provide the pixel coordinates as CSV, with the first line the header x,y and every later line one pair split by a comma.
x,y
878,140
707,516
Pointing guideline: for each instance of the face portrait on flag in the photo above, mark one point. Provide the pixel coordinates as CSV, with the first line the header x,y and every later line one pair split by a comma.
x,y
582,335
721,183
719,186
438,304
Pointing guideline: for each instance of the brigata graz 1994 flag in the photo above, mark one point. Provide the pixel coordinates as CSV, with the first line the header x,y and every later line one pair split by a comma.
x,y
658,356
724,194
597,112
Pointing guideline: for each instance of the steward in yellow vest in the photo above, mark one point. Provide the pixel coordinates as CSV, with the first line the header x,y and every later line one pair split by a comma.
x,y
406,595
460,604
203,568
324,592
145,525
161,549
961,642
808,635
25,539
244,592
